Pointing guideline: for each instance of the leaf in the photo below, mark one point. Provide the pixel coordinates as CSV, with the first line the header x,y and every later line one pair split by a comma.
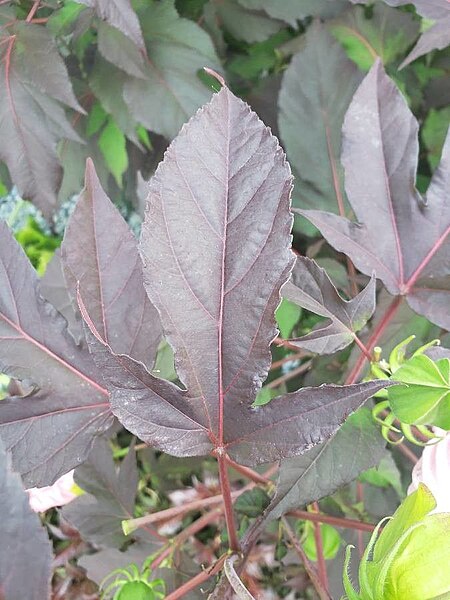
x,y
356,447
108,268
109,498
243,24
53,288
316,91
426,397
208,272
291,11
437,37
120,50
119,14
387,34
50,430
252,503
32,120
432,9
433,133
331,541
287,315
384,475
177,49
380,160
26,552
311,288
113,146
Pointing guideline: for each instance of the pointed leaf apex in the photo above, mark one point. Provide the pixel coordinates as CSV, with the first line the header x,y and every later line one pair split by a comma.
x,y
216,75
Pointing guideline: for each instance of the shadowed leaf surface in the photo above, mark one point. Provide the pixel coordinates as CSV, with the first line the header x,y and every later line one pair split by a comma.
x,y
25,552
357,446
171,91
311,288
31,118
109,498
226,274
380,160
119,14
99,251
316,91
292,10
50,430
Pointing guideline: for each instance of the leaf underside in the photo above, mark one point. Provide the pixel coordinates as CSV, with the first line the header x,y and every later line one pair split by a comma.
x,y
216,285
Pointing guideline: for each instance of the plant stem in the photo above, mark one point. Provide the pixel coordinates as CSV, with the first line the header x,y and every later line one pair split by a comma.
x,y
228,503
363,348
249,473
197,580
313,575
336,521
321,564
377,333
290,358
33,10
287,376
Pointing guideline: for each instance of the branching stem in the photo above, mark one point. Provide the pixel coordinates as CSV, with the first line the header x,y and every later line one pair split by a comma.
x,y
228,503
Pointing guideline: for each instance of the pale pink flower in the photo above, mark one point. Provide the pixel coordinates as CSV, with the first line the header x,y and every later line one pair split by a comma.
x,y
433,469
61,492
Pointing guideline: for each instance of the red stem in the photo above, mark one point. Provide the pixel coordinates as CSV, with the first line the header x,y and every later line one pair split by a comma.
x,y
249,473
377,333
336,521
321,564
33,10
197,580
228,503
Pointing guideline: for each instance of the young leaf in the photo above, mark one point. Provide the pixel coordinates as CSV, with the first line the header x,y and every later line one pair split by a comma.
x,y
25,551
316,91
311,288
119,14
109,498
356,447
31,120
200,279
177,49
99,251
50,430
426,396
380,160
113,146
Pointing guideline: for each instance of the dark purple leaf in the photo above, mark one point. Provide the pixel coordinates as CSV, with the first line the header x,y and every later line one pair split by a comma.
x,y
311,288
31,119
51,430
316,91
119,14
216,249
109,498
25,551
99,252
380,160
54,289
357,446
437,37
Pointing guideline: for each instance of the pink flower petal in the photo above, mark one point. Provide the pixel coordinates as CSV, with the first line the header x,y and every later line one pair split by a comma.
x,y
60,493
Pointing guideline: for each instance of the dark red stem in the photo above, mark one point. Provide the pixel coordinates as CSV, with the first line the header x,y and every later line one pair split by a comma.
x,y
228,503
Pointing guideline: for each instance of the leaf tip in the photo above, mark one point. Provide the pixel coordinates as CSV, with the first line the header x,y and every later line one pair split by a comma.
x,y
216,75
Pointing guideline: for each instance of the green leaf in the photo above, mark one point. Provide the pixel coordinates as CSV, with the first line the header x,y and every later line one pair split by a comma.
x,y
331,541
384,475
287,316
64,19
252,503
113,146
433,133
386,34
96,119
425,399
